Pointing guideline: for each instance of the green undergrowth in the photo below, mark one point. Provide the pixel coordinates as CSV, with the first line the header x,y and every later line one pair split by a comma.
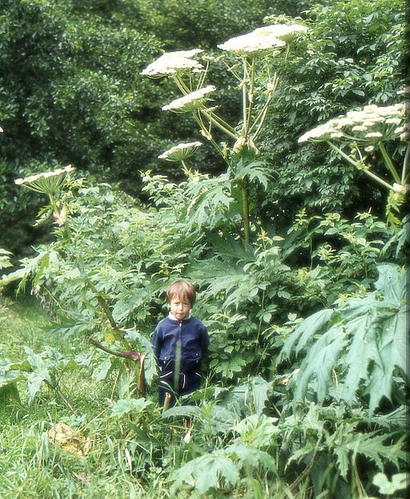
x,y
31,465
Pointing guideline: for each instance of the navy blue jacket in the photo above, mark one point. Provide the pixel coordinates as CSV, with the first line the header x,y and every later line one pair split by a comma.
x,y
193,338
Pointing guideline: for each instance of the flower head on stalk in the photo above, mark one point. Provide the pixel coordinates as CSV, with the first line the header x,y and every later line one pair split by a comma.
x,y
47,182
171,63
180,152
262,39
191,101
372,124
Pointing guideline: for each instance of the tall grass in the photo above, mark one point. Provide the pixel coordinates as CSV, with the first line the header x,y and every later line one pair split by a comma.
x,y
31,465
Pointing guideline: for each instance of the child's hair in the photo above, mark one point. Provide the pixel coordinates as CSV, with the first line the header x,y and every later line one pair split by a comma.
x,y
181,289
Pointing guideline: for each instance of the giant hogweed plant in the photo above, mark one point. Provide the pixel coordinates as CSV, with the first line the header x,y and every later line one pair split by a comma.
x,y
358,136
356,351
89,267
245,57
92,278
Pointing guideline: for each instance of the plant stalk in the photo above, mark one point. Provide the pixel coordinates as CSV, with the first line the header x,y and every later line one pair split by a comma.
x,y
63,397
405,165
389,163
367,172
245,212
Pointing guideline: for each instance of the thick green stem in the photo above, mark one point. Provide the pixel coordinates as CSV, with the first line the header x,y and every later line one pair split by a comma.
x,y
245,212
244,99
185,169
103,304
198,119
261,117
223,125
389,163
405,165
250,91
181,85
203,76
217,123
355,164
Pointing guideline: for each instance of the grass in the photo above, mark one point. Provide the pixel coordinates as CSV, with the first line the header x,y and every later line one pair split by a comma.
x,y
131,453
31,465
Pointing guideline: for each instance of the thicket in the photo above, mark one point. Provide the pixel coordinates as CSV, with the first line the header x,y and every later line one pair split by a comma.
x,y
304,299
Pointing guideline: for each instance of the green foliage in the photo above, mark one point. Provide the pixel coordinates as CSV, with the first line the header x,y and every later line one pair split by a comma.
x,y
5,259
360,345
127,406
71,92
301,292
210,471
347,61
203,23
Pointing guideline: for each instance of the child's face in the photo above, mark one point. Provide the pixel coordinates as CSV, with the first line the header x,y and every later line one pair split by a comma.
x,y
179,307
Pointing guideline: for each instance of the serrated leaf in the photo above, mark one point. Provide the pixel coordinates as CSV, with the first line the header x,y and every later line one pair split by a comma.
x,y
365,347
250,457
372,446
181,410
256,430
392,283
319,362
101,371
207,472
137,337
126,406
361,350
306,331
35,380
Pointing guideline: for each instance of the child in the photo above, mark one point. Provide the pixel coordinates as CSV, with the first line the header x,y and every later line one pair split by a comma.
x,y
180,344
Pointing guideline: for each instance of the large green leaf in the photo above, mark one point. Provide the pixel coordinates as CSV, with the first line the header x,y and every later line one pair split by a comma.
x,y
364,349
306,332
391,283
127,406
316,368
207,472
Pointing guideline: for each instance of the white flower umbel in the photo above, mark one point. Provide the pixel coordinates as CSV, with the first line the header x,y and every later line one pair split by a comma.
x,y
262,39
181,151
251,43
364,129
171,63
47,182
191,101
285,32
370,124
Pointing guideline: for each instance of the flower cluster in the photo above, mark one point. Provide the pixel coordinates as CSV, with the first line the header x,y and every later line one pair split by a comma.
x,y
262,39
46,182
171,63
180,152
191,101
372,124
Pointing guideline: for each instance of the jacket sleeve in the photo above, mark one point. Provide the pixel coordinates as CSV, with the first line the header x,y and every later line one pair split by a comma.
x,y
156,342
